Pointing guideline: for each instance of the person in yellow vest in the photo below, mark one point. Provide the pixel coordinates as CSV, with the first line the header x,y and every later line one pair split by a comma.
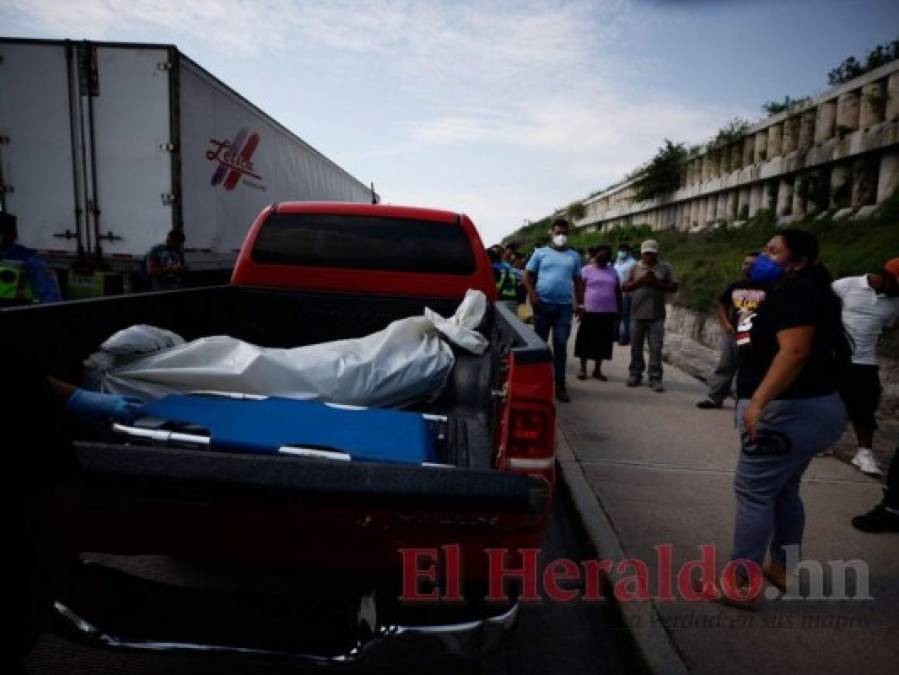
x,y
25,276
506,278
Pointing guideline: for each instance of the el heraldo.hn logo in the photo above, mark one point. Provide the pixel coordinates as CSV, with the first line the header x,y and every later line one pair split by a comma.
x,y
235,160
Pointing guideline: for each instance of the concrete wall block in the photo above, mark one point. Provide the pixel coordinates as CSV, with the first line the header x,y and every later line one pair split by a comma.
x,y
873,105
864,183
798,208
790,140
743,203
772,168
819,191
888,175
732,204
756,194
723,160
769,194
807,122
785,197
748,151
892,103
760,149
847,112
721,212
775,140
825,121
840,186
865,212
736,156
711,209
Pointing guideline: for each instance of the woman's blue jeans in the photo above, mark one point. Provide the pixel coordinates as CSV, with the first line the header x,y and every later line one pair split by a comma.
x,y
789,434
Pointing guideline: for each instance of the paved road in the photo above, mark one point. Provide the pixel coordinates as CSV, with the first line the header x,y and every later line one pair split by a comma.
x,y
575,638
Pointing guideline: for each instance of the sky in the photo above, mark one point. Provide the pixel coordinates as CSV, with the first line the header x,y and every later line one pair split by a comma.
x,y
505,110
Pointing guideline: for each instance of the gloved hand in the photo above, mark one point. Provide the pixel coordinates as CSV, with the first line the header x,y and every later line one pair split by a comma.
x,y
93,405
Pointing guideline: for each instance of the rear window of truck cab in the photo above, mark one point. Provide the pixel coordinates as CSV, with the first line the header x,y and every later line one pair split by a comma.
x,y
364,243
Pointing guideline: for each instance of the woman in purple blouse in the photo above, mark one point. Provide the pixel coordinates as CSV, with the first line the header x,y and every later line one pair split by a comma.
x,y
602,304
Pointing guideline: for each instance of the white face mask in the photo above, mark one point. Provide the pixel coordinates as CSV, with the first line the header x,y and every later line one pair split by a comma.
x,y
622,255
560,240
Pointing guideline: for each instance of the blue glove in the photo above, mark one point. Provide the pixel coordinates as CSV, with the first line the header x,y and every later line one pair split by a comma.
x,y
92,405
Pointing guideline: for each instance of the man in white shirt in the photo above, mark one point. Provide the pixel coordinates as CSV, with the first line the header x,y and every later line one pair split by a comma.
x,y
870,304
623,264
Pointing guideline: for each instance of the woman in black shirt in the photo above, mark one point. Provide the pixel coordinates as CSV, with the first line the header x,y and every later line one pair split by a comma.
x,y
788,408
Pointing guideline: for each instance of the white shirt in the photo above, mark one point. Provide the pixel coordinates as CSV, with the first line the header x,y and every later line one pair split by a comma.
x,y
623,267
865,315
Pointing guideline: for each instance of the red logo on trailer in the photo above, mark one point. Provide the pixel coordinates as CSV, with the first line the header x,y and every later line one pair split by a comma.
x,y
234,159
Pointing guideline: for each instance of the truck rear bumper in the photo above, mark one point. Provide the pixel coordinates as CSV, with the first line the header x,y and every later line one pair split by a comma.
x,y
385,645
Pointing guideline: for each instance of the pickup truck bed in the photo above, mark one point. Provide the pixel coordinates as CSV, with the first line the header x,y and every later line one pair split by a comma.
x,y
277,318
132,483
308,516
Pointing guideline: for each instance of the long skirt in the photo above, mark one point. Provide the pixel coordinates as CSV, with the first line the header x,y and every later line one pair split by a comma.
x,y
595,336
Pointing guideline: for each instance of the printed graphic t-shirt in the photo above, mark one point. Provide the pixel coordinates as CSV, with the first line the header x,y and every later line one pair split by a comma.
x,y
741,300
797,302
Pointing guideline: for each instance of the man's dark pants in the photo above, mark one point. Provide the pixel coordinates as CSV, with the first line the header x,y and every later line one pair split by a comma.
x,y
549,316
624,323
654,331
720,382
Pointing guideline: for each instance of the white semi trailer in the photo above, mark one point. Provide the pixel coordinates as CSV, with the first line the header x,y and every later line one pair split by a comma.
x,y
105,147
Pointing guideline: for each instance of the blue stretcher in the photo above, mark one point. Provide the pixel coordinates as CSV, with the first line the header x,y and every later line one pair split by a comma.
x,y
272,425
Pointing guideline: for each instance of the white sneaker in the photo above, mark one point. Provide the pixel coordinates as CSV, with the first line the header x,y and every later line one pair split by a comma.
x,y
864,459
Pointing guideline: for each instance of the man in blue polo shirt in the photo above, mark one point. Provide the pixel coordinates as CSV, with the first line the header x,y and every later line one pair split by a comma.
x,y
553,281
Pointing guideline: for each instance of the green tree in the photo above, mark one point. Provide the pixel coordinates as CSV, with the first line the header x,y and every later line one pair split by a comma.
x,y
776,107
851,67
730,132
575,211
662,174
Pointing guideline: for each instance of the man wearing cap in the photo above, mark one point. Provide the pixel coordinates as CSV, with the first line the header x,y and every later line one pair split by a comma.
x,y
649,281
870,304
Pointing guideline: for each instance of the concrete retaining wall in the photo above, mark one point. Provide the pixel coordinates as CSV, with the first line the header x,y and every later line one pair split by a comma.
x,y
837,152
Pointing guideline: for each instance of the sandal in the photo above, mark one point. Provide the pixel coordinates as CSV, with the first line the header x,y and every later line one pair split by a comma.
x,y
731,592
600,377
582,376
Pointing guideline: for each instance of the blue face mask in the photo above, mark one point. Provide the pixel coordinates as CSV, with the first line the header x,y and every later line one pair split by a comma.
x,y
765,270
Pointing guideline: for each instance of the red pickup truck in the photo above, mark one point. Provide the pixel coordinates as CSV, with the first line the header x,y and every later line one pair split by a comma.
x,y
308,273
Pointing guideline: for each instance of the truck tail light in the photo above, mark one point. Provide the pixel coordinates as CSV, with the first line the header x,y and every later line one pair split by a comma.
x,y
531,434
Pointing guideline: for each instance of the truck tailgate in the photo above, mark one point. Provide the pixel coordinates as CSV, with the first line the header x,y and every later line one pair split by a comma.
x,y
202,475
254,509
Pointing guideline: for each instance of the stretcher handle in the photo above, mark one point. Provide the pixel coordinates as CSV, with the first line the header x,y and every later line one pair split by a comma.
x,y
159,435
